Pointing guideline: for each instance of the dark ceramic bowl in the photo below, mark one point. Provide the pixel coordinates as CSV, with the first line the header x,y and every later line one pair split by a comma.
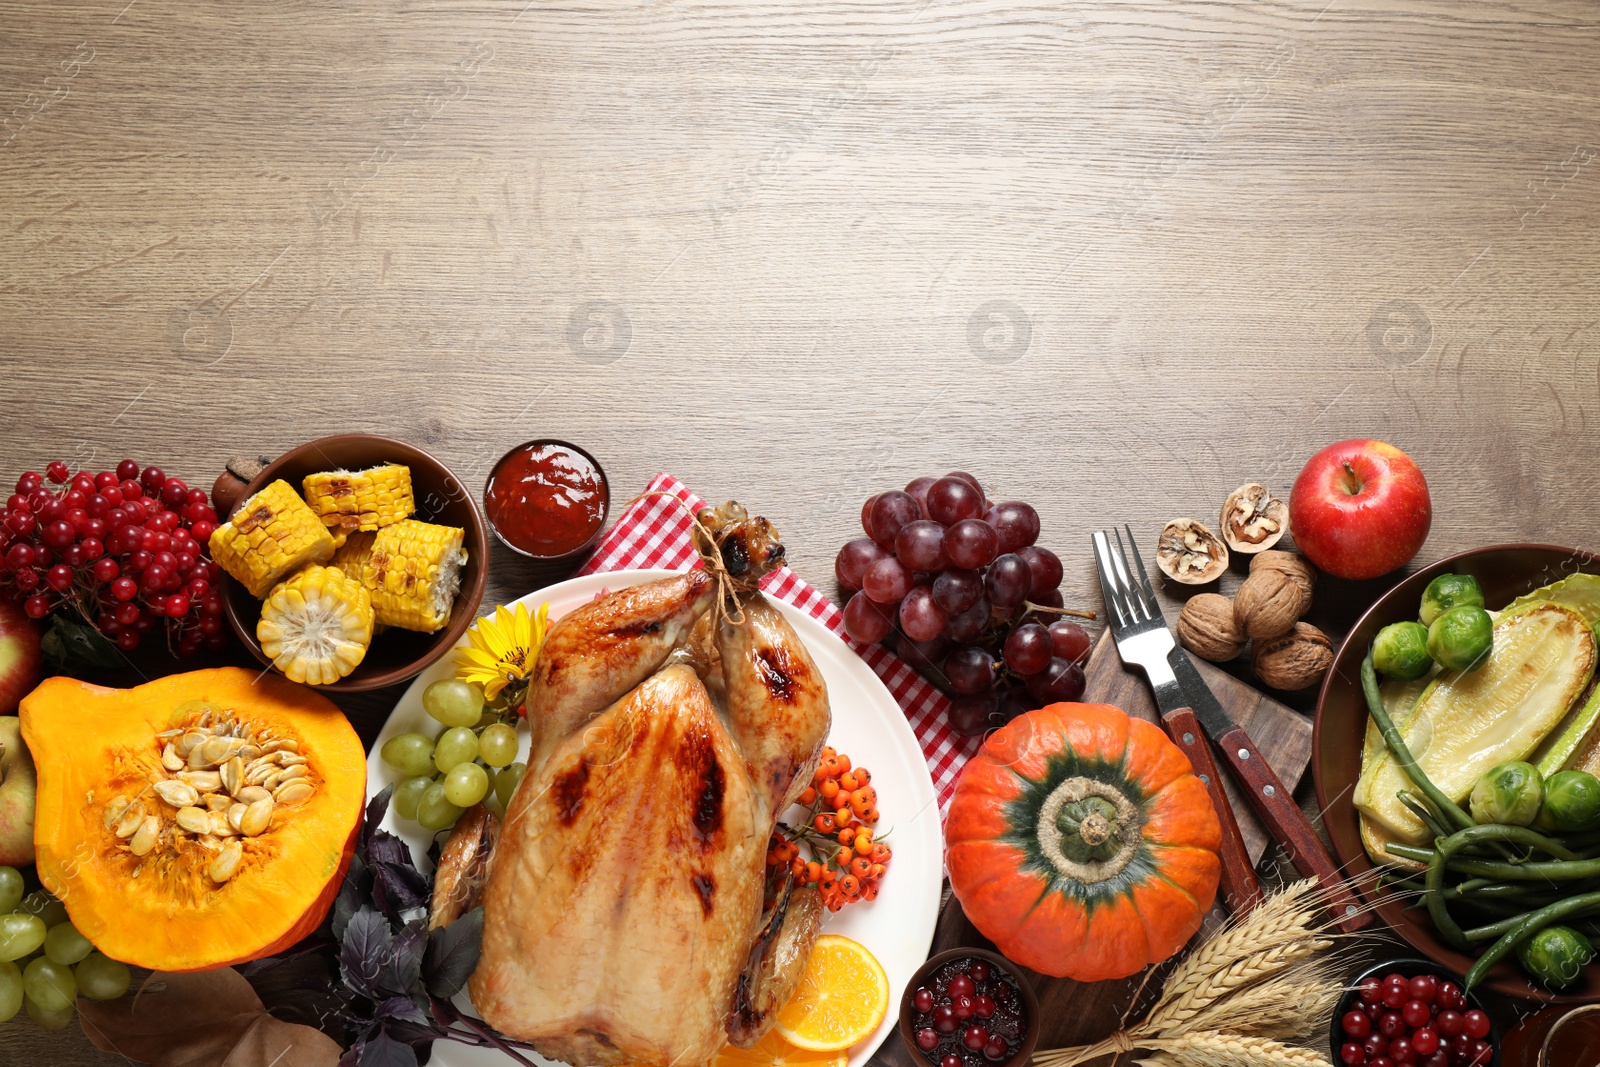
x,y
1030,1004
1505,572
573,553
1410,968
395,655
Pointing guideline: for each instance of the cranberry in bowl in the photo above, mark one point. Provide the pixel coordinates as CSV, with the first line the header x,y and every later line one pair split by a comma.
x,y
969,1008
1413,1013
547,499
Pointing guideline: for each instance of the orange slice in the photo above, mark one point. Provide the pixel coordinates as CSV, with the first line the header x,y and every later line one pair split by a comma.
x,y
774,1051
841,1000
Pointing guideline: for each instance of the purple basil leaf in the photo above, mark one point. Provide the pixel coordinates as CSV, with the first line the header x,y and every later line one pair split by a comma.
x,y
384,1051
362,954
452,954
384,847
404,887
355,889
418,1037
404,965
377,807
391,1008
352,1056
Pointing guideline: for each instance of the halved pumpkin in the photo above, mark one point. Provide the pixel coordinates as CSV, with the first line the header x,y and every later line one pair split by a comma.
x,y
196,892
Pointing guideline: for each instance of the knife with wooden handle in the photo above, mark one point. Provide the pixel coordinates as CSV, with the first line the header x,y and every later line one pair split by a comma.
x,y
1273,803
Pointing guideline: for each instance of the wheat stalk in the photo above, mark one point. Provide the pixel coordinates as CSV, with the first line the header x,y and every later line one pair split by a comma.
x,y
1239,996
1293,1004
1209,1048
1285,918
1206,990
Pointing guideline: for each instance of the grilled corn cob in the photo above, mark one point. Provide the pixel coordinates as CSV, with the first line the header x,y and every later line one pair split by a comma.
x,y
317,625
413,572
272,534
361,500
352,555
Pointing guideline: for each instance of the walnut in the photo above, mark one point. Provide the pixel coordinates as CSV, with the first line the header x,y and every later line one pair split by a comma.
x,y
1206,628
1190,553
1253,519
1295,566
1295,660
1268,603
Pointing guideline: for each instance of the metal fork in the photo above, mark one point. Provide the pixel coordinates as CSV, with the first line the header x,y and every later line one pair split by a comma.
x,y
1143,638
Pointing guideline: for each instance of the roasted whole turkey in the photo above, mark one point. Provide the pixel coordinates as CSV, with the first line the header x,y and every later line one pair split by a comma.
x,y
628,912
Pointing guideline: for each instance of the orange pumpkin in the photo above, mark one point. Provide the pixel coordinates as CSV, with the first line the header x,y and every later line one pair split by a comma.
x,y
1081,843
187,898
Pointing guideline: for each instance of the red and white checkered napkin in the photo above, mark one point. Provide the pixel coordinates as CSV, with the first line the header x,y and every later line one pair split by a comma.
x,y
653,531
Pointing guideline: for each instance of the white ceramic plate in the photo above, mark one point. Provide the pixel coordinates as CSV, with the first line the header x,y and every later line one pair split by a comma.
x,y
867,725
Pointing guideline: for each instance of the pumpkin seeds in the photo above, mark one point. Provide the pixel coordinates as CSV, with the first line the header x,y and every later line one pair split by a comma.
x,y
216,750
203,781
178,794
145,839
131,820
256,818
232,775
227,779
297,789
227,861
115,811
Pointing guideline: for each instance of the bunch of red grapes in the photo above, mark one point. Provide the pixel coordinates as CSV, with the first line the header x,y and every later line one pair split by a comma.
x,y
959,587
125,548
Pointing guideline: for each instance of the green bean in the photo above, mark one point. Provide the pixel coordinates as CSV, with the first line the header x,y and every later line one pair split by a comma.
x,y
1425,813
1448,809
1525,928
1493,930
1433,891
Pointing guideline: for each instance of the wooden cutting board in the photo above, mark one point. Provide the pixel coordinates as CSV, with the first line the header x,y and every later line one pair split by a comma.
x,y
1075,1013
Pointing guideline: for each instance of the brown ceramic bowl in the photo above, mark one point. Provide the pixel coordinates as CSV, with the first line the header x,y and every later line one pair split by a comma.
x,y
1505,572
395,655
1411,969
1030,1005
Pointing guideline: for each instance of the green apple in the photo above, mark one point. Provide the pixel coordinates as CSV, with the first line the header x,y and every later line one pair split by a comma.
x,y
17,783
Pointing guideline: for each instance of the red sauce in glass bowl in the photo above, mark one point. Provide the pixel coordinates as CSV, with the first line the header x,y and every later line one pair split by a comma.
x,y
547,499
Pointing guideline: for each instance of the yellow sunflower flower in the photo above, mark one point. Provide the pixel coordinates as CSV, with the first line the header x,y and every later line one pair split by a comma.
x,y
503,650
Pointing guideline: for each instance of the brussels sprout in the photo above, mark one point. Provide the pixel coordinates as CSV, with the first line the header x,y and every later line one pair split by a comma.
x,y
1460,639
1401,651
1555,955
1449,591
1571,802
1510,793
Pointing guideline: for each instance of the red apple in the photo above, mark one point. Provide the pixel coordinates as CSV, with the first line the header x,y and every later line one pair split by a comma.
x,y
20,659
1360,509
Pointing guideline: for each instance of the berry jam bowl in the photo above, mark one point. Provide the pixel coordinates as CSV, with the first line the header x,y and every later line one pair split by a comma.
x,y
994,1023
547,500
1376,1014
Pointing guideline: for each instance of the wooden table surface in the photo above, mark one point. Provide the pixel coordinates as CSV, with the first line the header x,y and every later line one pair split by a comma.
x,y
1116,258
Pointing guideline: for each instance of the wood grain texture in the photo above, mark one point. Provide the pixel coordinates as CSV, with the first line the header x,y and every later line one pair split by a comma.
x,y
1117,258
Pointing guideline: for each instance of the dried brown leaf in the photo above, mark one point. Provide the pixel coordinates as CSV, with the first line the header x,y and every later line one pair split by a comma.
x,y
204,1019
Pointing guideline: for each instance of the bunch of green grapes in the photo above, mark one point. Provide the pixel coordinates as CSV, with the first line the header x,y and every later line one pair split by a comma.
x,y
474,760
45,962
